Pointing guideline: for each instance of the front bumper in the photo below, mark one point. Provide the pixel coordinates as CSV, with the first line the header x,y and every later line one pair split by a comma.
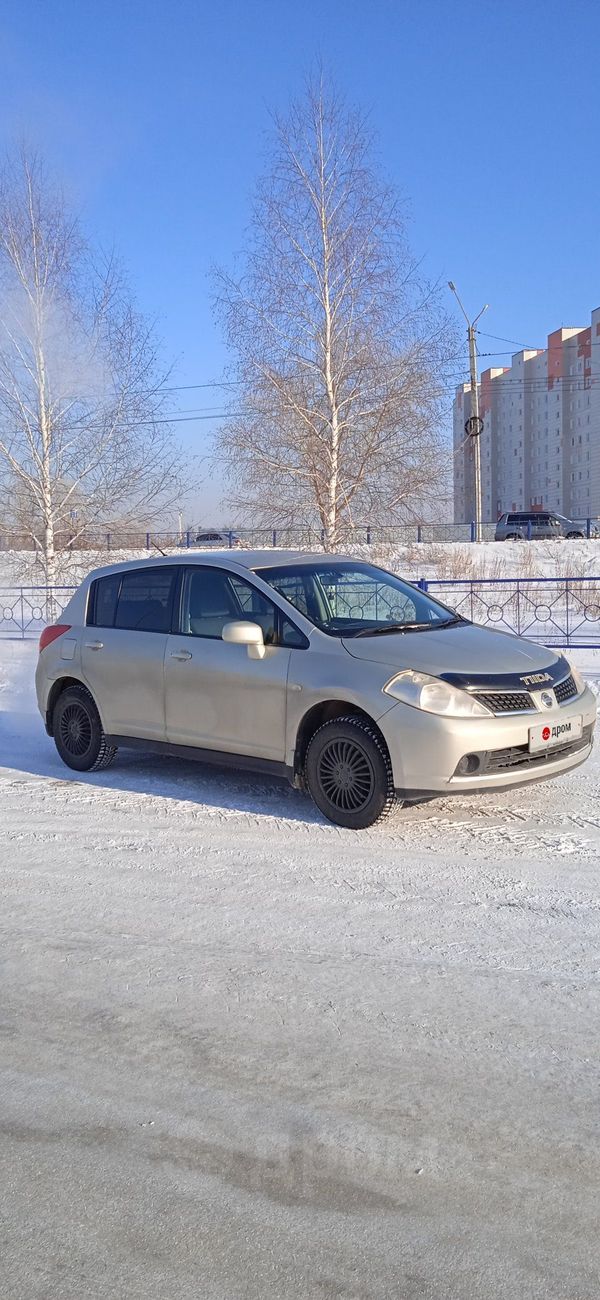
x,y
426,748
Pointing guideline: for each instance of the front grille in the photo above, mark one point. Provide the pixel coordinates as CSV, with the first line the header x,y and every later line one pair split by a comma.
x,y
505,701
501,760
565,690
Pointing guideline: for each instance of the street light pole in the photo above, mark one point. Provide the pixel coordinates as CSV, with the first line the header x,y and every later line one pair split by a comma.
x,y
475,422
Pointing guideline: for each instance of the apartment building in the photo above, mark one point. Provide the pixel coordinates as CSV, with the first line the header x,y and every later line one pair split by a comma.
x,y
540,446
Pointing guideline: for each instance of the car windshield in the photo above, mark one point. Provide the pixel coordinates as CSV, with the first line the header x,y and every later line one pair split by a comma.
x,y
347,599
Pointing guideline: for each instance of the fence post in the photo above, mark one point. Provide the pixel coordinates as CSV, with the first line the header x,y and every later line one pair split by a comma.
x,y
368,534
187,538
529,530
147,541
230,535
423,584
22,617
420,539
108,541
322,537
473,530
588,528
274,537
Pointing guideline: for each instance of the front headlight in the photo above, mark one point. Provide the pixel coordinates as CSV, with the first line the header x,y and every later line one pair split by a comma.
x,y
434,696
577,678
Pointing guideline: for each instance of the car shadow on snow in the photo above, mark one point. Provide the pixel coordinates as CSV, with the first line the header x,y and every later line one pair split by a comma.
x,y
25,748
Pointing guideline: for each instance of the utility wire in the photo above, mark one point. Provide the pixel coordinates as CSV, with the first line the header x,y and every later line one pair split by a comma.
x,y
212,383
524,347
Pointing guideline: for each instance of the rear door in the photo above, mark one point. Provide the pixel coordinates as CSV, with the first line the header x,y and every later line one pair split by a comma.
x,y
216,696
540,526
123,651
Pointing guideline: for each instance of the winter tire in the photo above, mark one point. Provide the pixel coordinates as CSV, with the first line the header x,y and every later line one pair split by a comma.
x,y
78,733
349,774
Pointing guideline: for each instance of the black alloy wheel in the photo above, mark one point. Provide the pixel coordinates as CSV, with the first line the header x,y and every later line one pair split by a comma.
x,y
348,772
78,733
75,729
345,774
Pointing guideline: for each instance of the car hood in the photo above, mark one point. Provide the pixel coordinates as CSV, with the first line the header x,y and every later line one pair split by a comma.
x,y
461,649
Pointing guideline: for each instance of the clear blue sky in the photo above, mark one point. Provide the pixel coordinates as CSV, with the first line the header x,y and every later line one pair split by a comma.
x,y
154,114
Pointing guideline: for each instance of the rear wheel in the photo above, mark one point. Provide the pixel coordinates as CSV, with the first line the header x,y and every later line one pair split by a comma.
x,y
572,536
513,537
349,774
78,733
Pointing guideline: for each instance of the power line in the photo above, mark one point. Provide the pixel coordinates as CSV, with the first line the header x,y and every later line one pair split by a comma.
x,y
212,383
524,347
535,383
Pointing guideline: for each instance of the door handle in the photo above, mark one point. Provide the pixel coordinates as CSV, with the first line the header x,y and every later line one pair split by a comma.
x,y
94,645
181,654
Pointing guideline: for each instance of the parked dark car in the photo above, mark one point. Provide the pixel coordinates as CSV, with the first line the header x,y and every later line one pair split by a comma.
x,y
523,525
219,540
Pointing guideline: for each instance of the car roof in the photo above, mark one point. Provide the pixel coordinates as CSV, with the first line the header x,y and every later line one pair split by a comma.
x,y
237,558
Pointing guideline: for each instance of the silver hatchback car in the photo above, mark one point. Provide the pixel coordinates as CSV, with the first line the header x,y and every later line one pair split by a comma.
x,y
334,673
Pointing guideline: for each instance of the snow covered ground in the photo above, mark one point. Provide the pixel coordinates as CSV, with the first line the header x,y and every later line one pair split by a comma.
x,y
248,1055
454,560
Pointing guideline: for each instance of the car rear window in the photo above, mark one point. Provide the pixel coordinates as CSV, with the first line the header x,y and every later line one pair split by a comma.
x,y
138,600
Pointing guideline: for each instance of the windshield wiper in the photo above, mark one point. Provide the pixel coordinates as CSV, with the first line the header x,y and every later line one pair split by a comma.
x,y
394,627
408,627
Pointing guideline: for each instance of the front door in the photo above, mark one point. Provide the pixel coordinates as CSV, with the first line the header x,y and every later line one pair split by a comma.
x,y
216,696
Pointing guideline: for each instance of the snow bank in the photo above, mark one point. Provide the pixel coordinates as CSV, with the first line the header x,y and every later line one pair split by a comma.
x,y
456,560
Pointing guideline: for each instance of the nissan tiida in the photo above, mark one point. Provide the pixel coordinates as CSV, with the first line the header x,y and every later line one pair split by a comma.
x,y
353,683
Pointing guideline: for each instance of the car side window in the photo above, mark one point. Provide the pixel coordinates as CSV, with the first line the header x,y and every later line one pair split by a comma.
x,y
145,600
277,629
102,603
213,597
292,588
208,603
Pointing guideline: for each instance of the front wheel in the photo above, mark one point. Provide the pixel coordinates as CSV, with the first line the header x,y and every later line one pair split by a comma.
x,y
349,774
78,733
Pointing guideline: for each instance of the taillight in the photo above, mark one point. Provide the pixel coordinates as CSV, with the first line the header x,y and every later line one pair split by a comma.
x,y
51,633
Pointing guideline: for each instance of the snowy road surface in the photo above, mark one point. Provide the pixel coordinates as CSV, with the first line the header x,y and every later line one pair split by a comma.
x,y
247,1055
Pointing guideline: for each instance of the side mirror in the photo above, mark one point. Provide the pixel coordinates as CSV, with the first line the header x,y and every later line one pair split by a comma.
x,y
248,634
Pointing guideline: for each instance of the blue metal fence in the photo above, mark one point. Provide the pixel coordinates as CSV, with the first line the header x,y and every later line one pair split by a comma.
x,y
24,611
108,539
553,611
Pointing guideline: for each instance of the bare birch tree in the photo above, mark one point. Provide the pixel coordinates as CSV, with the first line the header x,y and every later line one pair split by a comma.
x,y
340,348
84,436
